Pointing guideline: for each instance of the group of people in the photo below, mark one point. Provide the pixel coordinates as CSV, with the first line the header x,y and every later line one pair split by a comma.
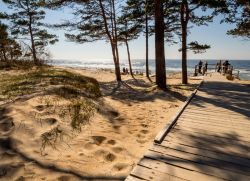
x,y
202,68
125,71
222,67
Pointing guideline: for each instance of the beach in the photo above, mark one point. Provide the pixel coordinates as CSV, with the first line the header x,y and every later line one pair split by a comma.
x,y
39,144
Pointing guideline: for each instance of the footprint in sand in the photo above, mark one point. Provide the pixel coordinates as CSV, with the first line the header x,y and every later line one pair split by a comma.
x,y
41,108
106,155
117,149
6,125
144,131
140,136
116,127
64,178
50,121
120,167
111,142
113,113
141,141
98,140
89,146
144,125
110,157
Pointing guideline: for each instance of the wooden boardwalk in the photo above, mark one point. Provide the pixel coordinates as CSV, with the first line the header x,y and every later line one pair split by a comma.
x,y
210,141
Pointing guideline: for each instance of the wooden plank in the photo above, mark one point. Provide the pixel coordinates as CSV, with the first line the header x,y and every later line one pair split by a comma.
x,y
176,171
196,167
202,160
150,174
211,145
205,132
207,120
131,178
215,115
212,107
232,159
198,164
216,119
214,130
222,125
211,139
212,127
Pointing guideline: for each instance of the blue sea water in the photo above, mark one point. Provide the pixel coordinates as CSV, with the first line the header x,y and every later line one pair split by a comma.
x,y
243,66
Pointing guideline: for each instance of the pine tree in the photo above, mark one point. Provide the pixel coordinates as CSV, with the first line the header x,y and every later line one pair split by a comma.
x,y
128,29
26,24
9,49
193,12
240,14
94,20
142,11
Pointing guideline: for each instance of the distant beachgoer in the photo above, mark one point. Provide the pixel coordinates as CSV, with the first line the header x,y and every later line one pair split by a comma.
x,y
219,66
204,68
200,66
124,70
225,66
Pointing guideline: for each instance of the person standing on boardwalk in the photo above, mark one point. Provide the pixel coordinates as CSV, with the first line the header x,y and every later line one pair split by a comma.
x,y
219,66
200,66
204,68
225,66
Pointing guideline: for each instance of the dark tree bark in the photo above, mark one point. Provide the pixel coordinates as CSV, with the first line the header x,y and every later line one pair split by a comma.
x,y
159,45
33,48
146,35
116,44
184,21
129,59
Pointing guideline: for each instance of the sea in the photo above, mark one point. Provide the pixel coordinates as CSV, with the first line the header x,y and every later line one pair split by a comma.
x,y
172,65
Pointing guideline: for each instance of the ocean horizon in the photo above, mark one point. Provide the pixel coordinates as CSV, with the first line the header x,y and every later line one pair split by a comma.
x,y
172,65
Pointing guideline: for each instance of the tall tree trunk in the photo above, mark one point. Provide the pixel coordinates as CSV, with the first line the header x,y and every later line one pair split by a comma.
x,y
116,43
129,60
117,66
159,45
184,19
113,46
33,48
146,35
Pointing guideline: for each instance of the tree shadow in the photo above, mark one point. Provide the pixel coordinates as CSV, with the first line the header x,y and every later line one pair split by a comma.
x,y
138,90
230,96
221,157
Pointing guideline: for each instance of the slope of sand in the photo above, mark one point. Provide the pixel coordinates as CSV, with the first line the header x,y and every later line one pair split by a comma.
x,y
128,117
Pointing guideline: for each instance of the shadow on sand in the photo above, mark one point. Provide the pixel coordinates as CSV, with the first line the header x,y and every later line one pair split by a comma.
x,y
138,90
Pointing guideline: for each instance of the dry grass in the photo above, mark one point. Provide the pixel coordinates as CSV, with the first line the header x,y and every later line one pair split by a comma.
x,y
65,84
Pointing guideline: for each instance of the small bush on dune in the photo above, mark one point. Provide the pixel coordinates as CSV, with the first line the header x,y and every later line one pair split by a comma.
x,y
80,112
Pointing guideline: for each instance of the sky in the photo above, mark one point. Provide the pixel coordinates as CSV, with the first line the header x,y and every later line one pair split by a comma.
x,y
222,46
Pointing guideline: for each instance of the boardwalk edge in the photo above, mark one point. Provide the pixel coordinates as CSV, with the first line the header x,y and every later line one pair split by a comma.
x,y
163,133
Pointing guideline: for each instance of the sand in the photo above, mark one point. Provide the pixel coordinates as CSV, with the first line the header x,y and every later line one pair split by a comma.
x,y
107,148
